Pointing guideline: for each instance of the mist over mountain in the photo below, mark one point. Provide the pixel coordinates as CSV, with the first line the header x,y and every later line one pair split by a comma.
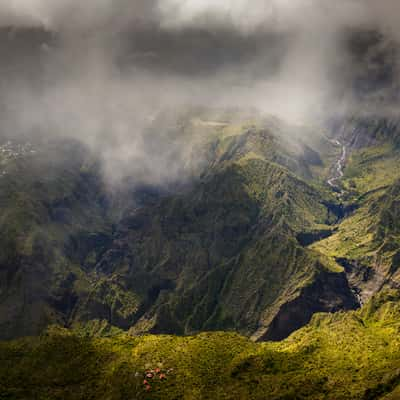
x,y
67,63
182,180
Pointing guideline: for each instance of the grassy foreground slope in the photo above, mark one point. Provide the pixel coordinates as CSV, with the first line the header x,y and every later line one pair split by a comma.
x,y
354,355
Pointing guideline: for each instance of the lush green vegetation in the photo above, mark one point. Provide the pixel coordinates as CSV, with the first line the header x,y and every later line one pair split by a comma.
x,y
225,252
222,254
352,355
368,238
229,253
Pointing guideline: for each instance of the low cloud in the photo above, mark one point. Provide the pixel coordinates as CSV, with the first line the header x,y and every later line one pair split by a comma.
x,y
100,70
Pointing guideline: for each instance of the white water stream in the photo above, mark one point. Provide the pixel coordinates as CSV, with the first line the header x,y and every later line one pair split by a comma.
x,y
338,171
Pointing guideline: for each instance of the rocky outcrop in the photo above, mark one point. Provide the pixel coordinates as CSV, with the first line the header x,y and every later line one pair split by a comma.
x,y
330,292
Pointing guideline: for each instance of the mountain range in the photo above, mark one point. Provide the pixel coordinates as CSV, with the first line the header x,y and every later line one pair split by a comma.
x,y
272,267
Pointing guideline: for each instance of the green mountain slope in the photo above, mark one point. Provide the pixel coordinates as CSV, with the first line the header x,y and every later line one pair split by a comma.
x,y
224,252
224,255
229,251
50,201
348,356
367,241
265,266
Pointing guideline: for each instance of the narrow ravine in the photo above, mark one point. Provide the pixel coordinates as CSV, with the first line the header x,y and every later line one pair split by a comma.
x,y
338,170
334,183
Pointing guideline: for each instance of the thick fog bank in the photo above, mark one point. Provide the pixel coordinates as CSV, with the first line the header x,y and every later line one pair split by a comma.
x,y
101,71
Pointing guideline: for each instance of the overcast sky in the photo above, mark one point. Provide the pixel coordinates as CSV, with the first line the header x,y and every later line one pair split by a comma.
x,y
97,69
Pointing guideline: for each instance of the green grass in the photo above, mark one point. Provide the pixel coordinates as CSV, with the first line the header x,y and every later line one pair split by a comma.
x,y
372,168
340,356
370,235
353,238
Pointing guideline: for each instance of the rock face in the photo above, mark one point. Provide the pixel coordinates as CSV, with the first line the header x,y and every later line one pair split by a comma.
x,y
330,292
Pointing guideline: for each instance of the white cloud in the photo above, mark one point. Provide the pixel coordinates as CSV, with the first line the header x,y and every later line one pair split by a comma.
x,y
176,13
245,15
